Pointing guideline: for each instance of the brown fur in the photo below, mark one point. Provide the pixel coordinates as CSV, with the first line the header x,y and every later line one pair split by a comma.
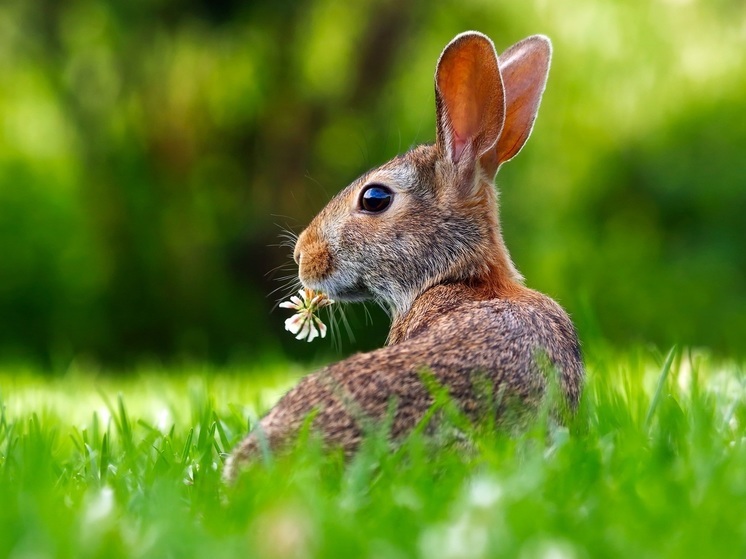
x,y
437,258
317,259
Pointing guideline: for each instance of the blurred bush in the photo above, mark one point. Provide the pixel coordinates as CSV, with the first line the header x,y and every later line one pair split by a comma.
x,y
150,152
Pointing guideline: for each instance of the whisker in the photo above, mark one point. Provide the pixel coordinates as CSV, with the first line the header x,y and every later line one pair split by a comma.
x,y
284,267
346,324
368,317
340,320
287,235
286,277
289,288
284,287
284,244
283,216
334,336
381,303
318,183
289,282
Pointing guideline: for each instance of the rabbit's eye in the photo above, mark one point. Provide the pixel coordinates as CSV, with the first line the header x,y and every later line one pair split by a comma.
x,y
375,198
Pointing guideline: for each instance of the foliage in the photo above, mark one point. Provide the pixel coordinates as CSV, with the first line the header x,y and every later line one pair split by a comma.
x,y
149,149
651,466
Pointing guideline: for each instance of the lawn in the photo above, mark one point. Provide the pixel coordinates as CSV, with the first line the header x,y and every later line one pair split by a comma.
x,y
653,465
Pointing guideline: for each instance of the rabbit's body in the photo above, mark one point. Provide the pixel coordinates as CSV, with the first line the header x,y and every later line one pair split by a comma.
x,y
461,342
422,235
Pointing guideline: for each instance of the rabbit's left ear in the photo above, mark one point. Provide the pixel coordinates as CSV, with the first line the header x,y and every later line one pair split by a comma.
x,y
469,99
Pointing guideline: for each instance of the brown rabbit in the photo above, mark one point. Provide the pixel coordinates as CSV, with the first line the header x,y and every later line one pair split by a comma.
x,y
421,234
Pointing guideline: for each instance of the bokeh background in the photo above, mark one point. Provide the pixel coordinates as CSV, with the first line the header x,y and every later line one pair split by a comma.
x,y
151,151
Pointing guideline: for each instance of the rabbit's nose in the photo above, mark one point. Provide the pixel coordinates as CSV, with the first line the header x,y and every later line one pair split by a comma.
x,y
312,256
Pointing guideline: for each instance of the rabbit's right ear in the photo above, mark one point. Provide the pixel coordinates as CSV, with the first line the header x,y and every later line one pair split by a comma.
x,y
524,68
469,100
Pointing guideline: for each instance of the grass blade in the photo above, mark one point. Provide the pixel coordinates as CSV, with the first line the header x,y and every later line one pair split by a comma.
x,y
187,448
661,383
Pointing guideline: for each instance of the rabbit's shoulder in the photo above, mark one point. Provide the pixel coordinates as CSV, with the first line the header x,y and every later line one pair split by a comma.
x,y
505,334
457,312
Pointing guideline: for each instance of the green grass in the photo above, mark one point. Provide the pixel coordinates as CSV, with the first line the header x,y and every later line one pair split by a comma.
x,y
654,465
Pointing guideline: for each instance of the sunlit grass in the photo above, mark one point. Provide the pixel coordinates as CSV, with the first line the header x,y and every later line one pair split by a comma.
x,y
97,466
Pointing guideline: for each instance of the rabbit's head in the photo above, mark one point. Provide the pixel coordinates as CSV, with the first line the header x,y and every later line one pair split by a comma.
x,y
430,216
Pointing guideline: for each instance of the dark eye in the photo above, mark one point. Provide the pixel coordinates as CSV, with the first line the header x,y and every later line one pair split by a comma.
x,y
375,198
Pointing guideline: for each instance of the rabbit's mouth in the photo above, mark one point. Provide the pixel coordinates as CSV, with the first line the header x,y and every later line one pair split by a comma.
x,y
337,289
352,295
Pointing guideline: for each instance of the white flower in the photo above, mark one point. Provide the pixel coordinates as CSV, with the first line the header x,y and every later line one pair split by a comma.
x,y
304,323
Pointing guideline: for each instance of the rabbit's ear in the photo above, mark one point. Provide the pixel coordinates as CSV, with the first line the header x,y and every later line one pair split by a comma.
x,y
524,68
469,98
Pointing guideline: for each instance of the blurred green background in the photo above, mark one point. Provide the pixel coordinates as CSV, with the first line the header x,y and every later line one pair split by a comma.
x,y
150,151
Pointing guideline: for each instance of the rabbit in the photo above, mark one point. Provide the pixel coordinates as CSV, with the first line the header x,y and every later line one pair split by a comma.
x,y
421,234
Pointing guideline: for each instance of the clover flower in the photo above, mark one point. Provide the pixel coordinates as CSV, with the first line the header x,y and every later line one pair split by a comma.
x,y
304,323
